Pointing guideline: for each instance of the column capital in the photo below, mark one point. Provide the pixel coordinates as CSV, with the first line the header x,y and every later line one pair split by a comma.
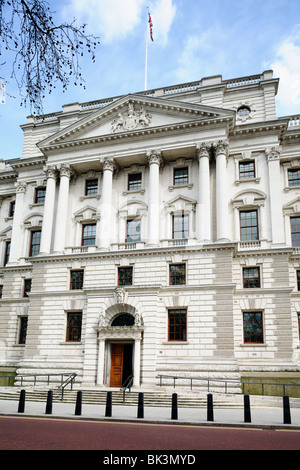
x,y
108,163
65,169
20,186
273,153
221,147
155,156
203,150
51,171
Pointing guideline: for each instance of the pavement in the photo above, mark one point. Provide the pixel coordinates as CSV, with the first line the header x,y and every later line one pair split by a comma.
x,y
260,416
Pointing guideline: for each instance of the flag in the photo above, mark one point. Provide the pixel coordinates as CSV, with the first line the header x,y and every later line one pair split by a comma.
x,y
151,27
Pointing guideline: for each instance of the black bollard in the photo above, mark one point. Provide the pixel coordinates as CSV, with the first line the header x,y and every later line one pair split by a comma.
x,y
140,413
78,406
21,406
108,409
49,403
174,414
247,411
210,409
286,410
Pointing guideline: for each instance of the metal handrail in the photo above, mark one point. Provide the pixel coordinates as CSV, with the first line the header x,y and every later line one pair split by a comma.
x,y
225,382
127,384
70,379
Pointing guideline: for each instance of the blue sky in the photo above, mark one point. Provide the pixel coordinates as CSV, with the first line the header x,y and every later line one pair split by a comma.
x,y
192,39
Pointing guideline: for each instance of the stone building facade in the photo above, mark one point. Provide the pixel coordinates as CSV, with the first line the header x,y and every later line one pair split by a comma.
x,y
154,233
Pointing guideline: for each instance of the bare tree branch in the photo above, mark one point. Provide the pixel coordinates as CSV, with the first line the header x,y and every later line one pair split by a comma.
x,y
45,53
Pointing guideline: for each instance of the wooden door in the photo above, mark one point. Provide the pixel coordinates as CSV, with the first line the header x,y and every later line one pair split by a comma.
x,y
116,372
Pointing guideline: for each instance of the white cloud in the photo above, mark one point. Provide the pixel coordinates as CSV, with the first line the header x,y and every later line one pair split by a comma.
x,y
287,67
108,19
115,19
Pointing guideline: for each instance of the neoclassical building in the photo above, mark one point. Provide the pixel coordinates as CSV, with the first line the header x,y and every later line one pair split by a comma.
x,y
154,233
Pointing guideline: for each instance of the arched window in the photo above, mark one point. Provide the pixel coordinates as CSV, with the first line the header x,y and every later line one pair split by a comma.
x,y
243,111
123,320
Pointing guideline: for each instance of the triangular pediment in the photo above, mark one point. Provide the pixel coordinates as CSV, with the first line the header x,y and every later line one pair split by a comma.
x,y
134,114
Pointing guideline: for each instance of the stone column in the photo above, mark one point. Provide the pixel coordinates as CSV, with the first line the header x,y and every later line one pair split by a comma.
x,y
62,208
100,368
155,160
137,363
46,236
277,225
106,209
17,229
221,190
204,203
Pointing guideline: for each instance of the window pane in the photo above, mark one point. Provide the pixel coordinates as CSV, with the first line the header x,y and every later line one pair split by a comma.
x,y
247,170
88,234
133,231
180,226
177,274
177,325
125,276
35,243
253,332
181,176
249,226
91,187
295,226
251,277
134,181
74,321
40,194
76,279
294,177
23,330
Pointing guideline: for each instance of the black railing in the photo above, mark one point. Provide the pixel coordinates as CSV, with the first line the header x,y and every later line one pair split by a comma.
x,y
224,385
32,380
127,384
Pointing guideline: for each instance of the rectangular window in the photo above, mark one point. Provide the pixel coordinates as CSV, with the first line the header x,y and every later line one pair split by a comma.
x,y
76,279
181,176
7,252
295,231
1,290
298,280
74,323
91,187
12,206
27,287
88,234
249,225
125,276
247,170
35,241
294,177
133,231
134,181
40,194
253,327
180,226
177,325
23,330
251,278
177,274
299,324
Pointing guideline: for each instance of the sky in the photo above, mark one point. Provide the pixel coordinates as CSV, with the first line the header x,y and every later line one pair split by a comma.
x,y
192,39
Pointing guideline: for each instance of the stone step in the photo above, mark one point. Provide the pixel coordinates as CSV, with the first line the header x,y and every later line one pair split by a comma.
x,y
131,398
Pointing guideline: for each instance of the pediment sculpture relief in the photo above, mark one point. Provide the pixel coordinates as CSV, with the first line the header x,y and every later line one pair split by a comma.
x,y
131,120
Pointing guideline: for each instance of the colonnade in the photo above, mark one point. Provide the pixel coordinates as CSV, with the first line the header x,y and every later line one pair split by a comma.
x,y
155,160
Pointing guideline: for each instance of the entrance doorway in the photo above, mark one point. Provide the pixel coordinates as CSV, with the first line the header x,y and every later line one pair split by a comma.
x,y
121,363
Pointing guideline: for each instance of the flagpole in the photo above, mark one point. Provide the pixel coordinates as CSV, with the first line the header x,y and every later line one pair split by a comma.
x,y
146,54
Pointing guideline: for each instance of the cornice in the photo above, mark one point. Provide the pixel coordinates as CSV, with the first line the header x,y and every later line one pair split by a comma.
x,y
262,127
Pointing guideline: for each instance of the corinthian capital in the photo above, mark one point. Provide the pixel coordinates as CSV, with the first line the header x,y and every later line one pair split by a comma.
x,y
51,171
66,170
273,153
20,186
154,156
221,147
108,163
203,150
